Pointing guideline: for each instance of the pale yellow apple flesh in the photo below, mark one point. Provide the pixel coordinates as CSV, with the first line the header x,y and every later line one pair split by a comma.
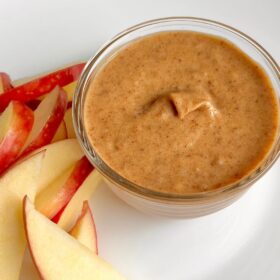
x,y
5,121
84,229
70,89
57,255
5,82
28,270
69,124
1,87
74,207
59,157
14,185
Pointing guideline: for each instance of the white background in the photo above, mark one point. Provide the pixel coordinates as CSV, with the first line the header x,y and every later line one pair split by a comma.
x,y
240,242
38,35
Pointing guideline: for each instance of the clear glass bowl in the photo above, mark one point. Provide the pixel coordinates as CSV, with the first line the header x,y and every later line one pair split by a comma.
x,y
153,202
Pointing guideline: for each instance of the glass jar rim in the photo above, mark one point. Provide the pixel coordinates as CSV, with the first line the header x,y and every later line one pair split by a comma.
x,y
124,183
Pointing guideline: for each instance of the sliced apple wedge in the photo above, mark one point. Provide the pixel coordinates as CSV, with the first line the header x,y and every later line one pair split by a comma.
x,y
20,180
42,202
61,133
55,197
15,125
59,157
5,82
69,124
48,117
84,229
76,67
66,219
70,89
38,87
57,255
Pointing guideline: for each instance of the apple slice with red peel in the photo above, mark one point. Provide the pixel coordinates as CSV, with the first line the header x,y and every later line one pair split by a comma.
x,y
55,197
68,216
5,82
84,230
41,86
69,124
57,255
49,193
26,80
59,157
61,133
19,180
15,125
48,117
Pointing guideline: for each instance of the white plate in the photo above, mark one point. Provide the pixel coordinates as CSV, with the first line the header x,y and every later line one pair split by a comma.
x,y
239,242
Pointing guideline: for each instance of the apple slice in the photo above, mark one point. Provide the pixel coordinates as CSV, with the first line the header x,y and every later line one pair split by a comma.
x,y
66,218
5,82
59,157
70,90
20,180
55,197
25,80
69,124
57,255
84,230
61,133
41,201
41,86
15,125
48,117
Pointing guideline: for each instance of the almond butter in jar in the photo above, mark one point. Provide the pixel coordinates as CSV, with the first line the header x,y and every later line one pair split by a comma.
x,y
188,99
181,122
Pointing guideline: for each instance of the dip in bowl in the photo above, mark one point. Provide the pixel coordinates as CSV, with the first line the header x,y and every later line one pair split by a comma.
x,y
180,115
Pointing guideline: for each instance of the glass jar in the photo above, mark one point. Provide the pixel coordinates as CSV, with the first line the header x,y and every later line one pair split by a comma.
x,y
172,205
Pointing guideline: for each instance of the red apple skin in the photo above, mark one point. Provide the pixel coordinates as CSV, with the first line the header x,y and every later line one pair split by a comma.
x,y
69,105
86,210
33,104
94,268
80,172
5,81
47,133
77,177
20,127
56,218
41,86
